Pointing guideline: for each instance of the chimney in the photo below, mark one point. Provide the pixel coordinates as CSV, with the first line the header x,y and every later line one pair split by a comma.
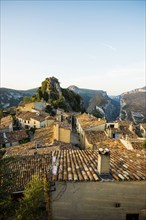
x,y
103,161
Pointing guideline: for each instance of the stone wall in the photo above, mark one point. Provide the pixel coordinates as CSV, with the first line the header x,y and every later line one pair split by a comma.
x,y
98,200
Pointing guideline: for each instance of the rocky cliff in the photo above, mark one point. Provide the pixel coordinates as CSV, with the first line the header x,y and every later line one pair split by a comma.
x,y
133,105
99,103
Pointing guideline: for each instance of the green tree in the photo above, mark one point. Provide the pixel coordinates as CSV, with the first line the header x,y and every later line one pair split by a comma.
x,y
33,206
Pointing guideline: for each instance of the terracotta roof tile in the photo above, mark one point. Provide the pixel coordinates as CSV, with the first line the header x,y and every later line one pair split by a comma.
x,y
5,121
13,136
95,136
77,165
87,121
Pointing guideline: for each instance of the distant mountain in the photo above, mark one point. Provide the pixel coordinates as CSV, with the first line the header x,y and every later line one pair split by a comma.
x,y
98,103
133,105
127,106
12,97
86,94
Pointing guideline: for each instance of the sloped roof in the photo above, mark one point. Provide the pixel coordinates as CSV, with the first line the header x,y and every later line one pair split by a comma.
x,y
13,136
29,149
6,121
34,115
88,121
82,165
77,165
95,136
112,144
44,135
63,125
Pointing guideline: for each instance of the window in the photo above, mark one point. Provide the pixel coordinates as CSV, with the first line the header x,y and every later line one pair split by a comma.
x,y
132,217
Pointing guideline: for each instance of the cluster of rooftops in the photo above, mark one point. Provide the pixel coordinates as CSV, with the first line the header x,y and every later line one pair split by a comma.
x,y
109,160
80,165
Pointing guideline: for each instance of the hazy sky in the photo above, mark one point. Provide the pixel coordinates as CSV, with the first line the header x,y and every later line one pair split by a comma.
x,y
90,44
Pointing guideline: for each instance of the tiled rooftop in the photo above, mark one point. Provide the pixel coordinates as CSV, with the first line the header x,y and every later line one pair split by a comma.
x,y
82,165
109,143
95,136
26,167
13,136
29,149
63,125
77,165
5,121
44,135
36,116
137,145
87,120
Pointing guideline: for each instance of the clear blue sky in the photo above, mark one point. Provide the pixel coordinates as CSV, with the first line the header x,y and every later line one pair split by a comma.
x,y
90,44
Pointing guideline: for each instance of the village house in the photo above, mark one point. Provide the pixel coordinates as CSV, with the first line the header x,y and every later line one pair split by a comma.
x,y
43,142
103,184
63,116
120,129
8,139
99,185
62,132
87,122
94,137
127,129
32,107
6,124
112,130
32,119
50,120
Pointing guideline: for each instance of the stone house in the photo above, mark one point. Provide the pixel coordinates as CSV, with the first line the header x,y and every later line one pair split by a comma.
x,y
63,116
8,139
32,119
120,129
62,132
33,106
6,124
94,137
89,184
87,122
112,130
99,185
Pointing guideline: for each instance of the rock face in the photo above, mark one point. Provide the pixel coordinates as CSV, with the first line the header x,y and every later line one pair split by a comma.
x,y
99,103
127,106
12,97
56,96
133,106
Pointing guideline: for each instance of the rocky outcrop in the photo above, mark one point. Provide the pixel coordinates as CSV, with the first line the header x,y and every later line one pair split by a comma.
x,y
99,103
133,106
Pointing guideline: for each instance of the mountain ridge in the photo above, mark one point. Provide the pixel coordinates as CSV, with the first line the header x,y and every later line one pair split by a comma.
x,y
129,105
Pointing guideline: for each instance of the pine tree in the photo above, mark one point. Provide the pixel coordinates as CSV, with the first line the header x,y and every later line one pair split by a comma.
x,y
33,205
